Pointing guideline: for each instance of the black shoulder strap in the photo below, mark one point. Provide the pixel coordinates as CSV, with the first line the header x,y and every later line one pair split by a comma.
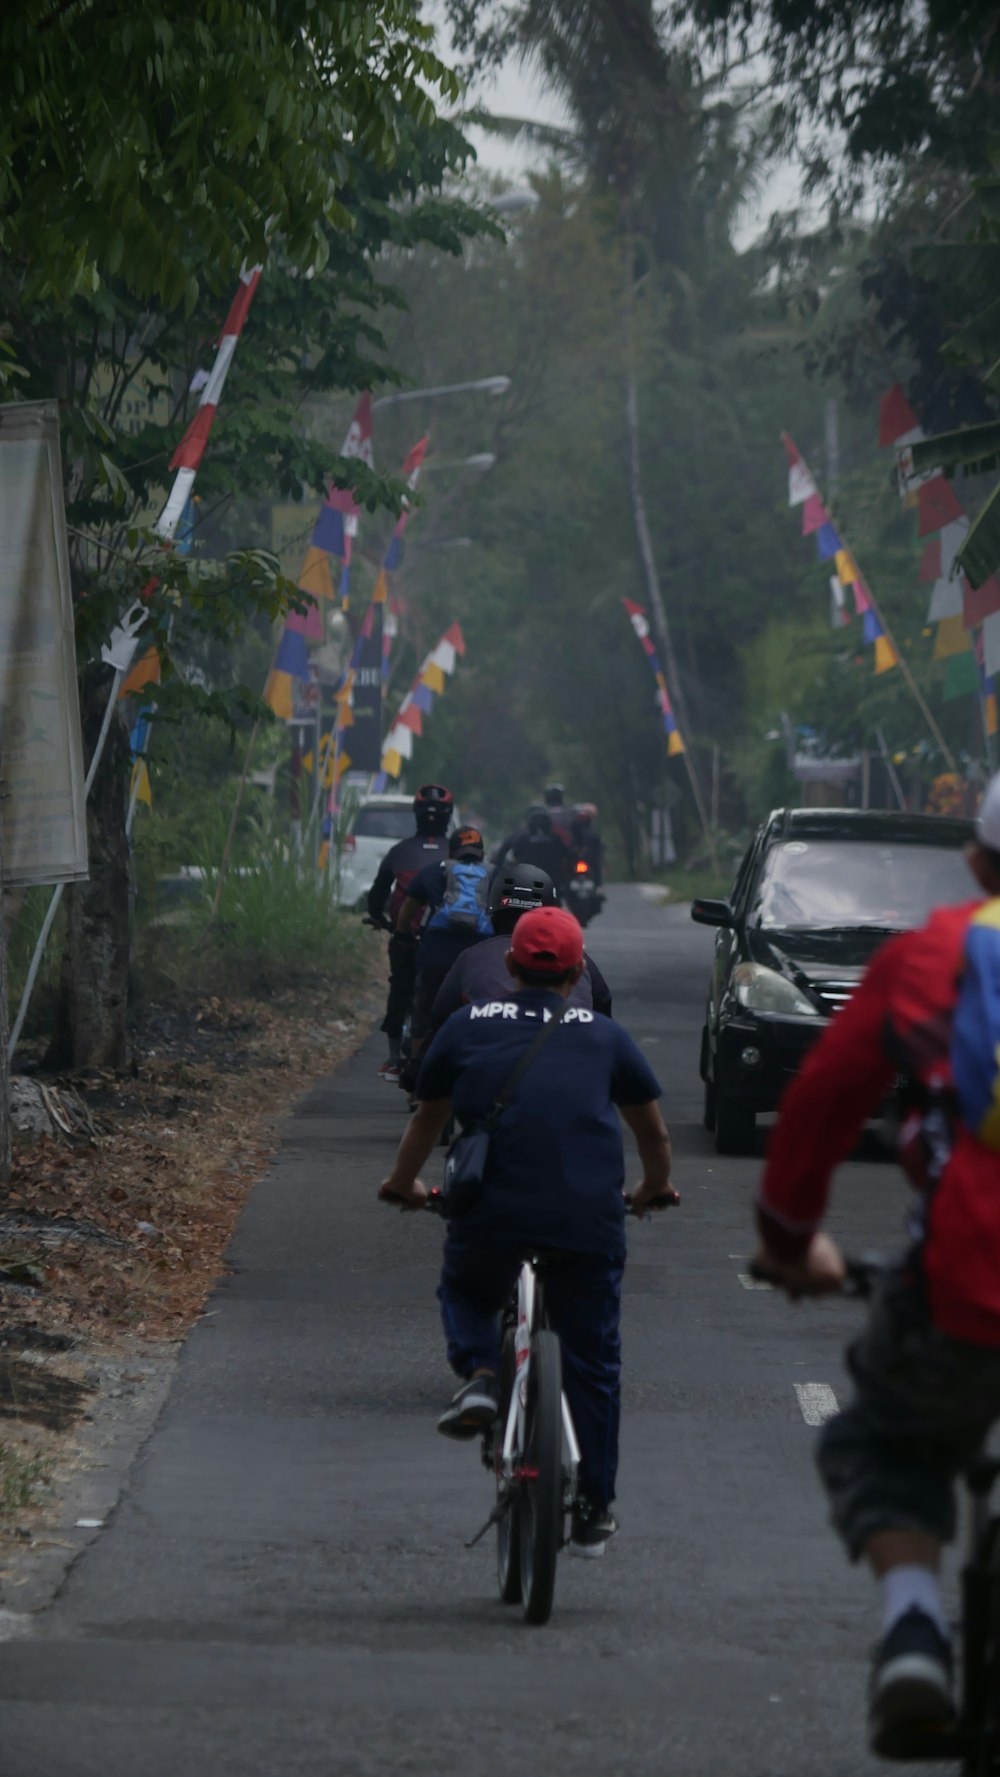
x,y
517,1073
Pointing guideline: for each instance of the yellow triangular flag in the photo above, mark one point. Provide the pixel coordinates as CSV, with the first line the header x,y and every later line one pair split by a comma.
x,y
991,714
146,671
847,567
675,745
278,694
381,592
952,638
433,677
392,762
140,788
315,575
885,655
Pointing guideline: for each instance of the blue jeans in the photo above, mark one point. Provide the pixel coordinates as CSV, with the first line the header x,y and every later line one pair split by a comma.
x,y
583,1293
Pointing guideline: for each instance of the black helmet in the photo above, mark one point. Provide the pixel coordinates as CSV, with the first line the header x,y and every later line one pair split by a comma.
x,y
466,842
539,819
517,889
432,806
555,795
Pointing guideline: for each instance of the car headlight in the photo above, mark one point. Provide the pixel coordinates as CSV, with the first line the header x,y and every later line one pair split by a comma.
x,y
764,990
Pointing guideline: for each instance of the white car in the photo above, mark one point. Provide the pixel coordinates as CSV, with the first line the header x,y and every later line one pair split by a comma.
x,y
377,824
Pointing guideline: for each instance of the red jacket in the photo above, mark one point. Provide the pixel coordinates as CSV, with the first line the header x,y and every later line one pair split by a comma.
x,y
899,1021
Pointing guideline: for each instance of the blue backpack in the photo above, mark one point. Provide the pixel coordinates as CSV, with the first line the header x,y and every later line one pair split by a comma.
x,y
466,896
975,1041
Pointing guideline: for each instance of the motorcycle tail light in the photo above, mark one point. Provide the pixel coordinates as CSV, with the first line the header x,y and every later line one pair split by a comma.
x,y
581,868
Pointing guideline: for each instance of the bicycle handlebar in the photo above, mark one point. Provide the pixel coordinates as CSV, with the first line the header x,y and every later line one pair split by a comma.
x,y
862,1274
435,1203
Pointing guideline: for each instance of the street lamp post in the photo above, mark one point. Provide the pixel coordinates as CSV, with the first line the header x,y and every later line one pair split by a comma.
x,y
484,385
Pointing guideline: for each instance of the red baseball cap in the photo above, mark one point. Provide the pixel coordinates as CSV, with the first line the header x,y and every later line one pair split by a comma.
x,y
547,939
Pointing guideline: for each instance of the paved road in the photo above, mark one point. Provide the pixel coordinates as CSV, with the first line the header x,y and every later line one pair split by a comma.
x,y
283,1589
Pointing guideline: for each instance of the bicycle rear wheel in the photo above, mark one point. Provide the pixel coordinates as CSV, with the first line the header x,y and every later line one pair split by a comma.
x,y
540,1496
980,1720
508,1525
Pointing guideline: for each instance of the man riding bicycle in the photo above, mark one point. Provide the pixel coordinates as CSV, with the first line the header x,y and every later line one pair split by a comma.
x,y
432,810
482,974
554,1181
927,1369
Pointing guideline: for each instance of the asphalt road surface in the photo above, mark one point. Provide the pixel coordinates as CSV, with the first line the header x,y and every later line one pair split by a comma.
x,y
283,1588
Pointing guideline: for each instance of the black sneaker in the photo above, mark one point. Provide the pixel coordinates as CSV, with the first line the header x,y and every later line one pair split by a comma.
x,y
473,1408
591,1531
910,1700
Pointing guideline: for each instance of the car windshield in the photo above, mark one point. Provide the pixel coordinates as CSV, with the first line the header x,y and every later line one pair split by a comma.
x,y
813,884
384,823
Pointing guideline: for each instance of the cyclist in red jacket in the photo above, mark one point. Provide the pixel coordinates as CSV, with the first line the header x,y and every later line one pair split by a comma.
x,y
927,1368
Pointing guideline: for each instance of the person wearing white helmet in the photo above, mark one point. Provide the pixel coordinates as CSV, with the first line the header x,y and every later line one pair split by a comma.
x,y
926,1370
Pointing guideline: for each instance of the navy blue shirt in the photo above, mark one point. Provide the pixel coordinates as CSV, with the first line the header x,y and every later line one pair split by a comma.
x,y
481,974
556,1170
439,948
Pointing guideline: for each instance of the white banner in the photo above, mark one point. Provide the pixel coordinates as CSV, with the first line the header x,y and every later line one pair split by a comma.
x,y
41,751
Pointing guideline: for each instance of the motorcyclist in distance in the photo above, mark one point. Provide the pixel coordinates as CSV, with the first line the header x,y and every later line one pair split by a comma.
x,y
586,840
554,798
538,845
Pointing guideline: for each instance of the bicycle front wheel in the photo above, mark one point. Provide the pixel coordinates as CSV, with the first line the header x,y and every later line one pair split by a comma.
x,y
508,1524
540,1494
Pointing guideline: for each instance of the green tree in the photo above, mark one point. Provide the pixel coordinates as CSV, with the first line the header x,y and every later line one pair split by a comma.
x,y
143,160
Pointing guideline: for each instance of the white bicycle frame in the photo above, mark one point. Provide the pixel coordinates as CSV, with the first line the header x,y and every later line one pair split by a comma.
x,y
513,1437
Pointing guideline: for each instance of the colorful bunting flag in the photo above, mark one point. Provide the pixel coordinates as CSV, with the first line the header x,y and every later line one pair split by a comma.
x,y
814,515
952,638
828,544
315,577
146,671
338,517
896,417
801,485
640,624
946,600
961,676
980,602
937,505
885,655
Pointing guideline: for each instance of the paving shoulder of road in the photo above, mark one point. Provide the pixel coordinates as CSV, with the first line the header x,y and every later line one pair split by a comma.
x,y
283,1587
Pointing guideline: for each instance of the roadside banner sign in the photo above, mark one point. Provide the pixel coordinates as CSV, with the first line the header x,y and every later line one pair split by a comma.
x,y
42,809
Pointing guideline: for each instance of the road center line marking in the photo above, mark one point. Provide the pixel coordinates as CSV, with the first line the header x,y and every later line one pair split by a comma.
x,y
817,1401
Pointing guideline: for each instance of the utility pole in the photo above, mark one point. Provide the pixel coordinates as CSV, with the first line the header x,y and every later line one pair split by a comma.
x,y
644,543
4,1016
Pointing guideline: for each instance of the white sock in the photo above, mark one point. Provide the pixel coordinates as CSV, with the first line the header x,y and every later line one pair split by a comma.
x,y
905,1587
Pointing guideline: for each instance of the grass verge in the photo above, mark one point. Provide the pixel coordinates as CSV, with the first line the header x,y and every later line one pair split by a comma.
x,y
21,1477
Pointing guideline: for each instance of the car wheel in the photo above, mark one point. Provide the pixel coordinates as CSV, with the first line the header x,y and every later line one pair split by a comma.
x,y
708,1107
735,1126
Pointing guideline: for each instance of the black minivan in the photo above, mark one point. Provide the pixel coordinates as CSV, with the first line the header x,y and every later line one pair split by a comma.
x,y
816,894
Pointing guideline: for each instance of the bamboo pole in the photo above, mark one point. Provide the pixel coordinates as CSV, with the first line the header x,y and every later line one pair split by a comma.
x,y
644,543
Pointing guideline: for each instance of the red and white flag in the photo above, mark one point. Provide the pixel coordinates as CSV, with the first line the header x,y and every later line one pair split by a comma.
x,y
189,452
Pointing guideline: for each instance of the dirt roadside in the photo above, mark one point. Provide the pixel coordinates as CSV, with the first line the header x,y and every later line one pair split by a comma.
x,y
112,1235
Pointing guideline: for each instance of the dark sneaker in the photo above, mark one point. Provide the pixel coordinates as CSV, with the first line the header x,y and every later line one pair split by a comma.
x,y
910,1701
389,1071
473,1409
591,1531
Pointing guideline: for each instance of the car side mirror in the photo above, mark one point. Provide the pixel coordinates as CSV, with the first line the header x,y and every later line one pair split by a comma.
x,y
711,913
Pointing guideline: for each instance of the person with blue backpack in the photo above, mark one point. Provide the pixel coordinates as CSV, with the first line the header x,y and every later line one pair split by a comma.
x,y
926,1370
451,898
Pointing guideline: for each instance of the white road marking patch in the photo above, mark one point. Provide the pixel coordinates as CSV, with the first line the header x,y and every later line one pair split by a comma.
x,y
817,1401
753,1283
